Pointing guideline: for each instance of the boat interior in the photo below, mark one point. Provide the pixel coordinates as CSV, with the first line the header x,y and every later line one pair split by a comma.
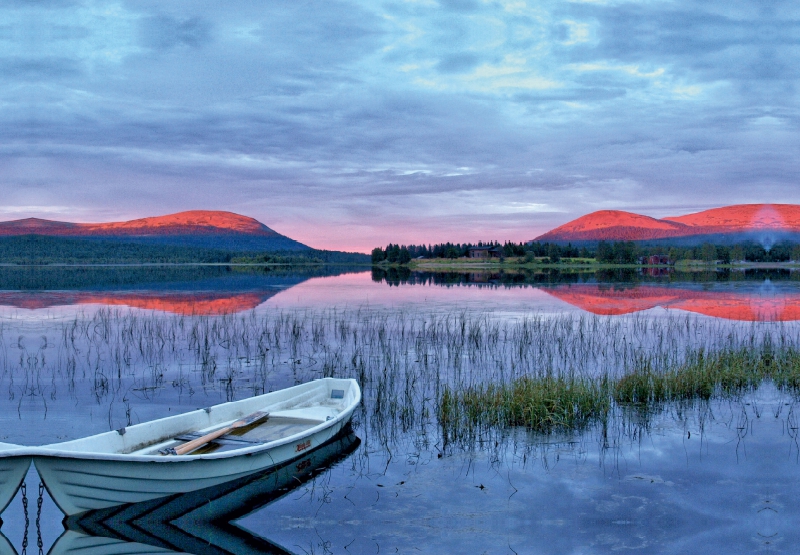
x,y
271,428
288,412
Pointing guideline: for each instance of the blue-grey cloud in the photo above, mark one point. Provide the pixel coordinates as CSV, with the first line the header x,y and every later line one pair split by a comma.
x,y
456,63
163,32
460,5
509,116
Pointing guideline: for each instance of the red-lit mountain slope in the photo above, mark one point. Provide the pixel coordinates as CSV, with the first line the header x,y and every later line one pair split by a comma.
x,y
744,217
207,228
615,225
193,221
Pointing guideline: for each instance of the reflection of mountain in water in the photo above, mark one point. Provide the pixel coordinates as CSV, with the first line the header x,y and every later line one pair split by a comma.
x,y
404,276
746,305
512,277
199,522
186,303
201,290
757,294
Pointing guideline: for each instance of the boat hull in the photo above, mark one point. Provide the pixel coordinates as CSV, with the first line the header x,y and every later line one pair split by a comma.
x,y
77,484
203,517
12,471
81,481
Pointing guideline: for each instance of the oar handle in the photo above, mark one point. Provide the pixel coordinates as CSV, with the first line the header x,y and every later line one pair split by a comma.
x,y
211,436
200,441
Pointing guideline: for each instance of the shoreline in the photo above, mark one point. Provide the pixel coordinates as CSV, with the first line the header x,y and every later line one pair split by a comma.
x,y
513,264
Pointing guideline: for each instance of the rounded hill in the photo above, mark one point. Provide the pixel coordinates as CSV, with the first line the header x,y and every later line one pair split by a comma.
x,y
196,228
737,221
615,225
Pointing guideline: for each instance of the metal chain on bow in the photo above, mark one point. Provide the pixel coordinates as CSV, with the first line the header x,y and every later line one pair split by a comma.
x,y
27,522
39,500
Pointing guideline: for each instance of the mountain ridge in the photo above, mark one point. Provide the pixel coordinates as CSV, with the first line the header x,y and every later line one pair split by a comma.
x,y
197,228
190,220
618,225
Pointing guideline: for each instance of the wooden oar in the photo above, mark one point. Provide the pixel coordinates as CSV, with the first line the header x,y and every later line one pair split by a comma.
x,y
211,436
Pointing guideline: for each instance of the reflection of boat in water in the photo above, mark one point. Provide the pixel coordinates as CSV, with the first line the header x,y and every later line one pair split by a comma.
x,y
198,522
129,465
5,547
12,471
747,306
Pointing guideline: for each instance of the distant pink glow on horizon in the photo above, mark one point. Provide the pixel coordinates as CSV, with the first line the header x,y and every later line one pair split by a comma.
x,y
364,241
347,237
356,237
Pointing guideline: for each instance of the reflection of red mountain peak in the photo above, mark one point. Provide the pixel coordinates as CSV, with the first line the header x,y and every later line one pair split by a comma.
x,y
730,305
189,303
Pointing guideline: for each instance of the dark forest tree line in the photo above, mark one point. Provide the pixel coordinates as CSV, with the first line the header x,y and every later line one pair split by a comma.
x,y
402,254
41,249
618,252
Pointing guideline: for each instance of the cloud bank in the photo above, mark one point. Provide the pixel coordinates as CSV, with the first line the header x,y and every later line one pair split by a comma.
x,y
350,124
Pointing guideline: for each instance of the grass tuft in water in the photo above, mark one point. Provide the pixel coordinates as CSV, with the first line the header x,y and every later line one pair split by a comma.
x,y
726,373
561,404
785,369
543,404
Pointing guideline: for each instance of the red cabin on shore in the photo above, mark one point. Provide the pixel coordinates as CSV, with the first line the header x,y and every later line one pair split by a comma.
x,y
656,260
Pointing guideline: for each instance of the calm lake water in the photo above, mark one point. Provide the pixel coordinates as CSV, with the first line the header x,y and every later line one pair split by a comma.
x,y
85,350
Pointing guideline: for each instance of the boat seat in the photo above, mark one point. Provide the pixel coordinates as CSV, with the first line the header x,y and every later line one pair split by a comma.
x,y
319,414
227,439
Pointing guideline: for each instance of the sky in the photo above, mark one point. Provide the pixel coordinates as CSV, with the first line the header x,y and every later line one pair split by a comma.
x,y
350,124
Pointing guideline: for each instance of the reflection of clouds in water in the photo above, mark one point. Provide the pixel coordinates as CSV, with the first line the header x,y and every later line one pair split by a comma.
x,y
658,490
690,482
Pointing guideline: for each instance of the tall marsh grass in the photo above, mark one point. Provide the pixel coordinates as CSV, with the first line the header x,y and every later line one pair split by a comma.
x,y
420,371
544,404
558,403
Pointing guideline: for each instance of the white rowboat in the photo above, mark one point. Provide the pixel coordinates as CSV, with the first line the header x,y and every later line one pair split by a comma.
x,y
200,521
126,466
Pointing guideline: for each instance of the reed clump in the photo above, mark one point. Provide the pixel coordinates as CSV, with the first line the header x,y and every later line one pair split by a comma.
x,y
468,368
785,369
546,404
703,375
560,404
